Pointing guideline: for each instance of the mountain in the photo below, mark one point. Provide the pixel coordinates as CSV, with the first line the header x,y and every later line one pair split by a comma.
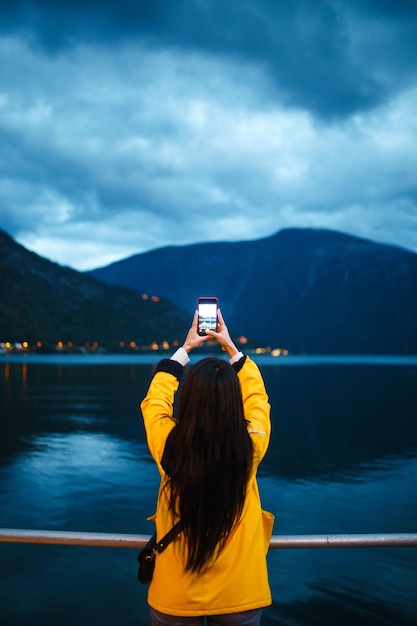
x,y
307,290
43,301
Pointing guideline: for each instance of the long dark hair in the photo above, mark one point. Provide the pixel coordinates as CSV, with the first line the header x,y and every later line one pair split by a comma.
x,y
208,458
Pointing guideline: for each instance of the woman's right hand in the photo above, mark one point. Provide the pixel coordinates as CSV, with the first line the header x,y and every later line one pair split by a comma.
x,y
222,336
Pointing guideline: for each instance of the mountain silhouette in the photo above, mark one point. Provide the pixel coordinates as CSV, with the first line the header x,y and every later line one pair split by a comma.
x,y
41,301
307,290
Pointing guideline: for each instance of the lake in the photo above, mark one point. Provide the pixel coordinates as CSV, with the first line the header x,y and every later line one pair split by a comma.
x,y
343,459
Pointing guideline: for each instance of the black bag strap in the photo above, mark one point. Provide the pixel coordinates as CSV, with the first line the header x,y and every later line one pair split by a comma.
x,y
170,536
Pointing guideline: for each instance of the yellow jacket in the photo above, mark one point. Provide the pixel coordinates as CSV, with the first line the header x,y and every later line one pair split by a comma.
x,y
238,579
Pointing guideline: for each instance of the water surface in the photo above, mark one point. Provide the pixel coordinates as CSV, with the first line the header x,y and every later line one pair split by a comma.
x,y
343,459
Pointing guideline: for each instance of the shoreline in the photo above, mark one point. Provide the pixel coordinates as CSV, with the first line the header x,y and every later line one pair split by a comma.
x,y
107,358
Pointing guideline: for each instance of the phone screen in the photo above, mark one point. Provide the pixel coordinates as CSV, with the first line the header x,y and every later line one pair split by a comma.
x,y
207,314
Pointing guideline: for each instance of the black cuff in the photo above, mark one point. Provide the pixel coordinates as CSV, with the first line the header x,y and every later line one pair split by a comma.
x,y
239,364
170,367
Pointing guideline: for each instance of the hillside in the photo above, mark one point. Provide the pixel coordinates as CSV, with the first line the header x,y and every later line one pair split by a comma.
x,y
41,301
313,291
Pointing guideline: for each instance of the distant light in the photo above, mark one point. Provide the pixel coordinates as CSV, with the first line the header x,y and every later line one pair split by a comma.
x,y
132,344
69,344
242,339
154,346
145,296
39,344
279,352
25,345
60,345
155,299
176,343
122,344
165,345
8,345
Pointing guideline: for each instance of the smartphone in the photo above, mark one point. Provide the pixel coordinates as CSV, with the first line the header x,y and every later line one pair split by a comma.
x,y
207,314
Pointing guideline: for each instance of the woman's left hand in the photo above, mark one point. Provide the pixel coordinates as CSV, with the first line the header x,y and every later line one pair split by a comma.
x,y
193,339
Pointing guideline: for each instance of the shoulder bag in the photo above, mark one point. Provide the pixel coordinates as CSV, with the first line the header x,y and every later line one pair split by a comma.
x,y
147,555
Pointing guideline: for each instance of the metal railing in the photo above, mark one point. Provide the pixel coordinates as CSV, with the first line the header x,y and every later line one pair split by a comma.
x,y
115,540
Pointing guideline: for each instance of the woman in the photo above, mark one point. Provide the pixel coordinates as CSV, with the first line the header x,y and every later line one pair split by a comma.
x,y
208,458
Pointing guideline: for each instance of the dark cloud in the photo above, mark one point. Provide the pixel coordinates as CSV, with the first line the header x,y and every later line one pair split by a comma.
x,y
331,57
129,126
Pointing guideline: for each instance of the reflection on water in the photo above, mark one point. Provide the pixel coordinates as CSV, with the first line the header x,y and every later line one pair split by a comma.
x,y
343,458
79,481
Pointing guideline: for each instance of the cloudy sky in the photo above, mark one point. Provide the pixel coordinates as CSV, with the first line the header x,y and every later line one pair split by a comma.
x,y
134,124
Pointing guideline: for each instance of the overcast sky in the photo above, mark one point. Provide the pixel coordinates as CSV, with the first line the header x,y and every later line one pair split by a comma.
x,y
129,125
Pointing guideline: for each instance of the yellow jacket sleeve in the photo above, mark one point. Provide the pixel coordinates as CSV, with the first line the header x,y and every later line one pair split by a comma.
x,y
256,408
157,411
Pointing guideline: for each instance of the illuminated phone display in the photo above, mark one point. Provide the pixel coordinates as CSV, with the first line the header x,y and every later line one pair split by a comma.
x,y
207,314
